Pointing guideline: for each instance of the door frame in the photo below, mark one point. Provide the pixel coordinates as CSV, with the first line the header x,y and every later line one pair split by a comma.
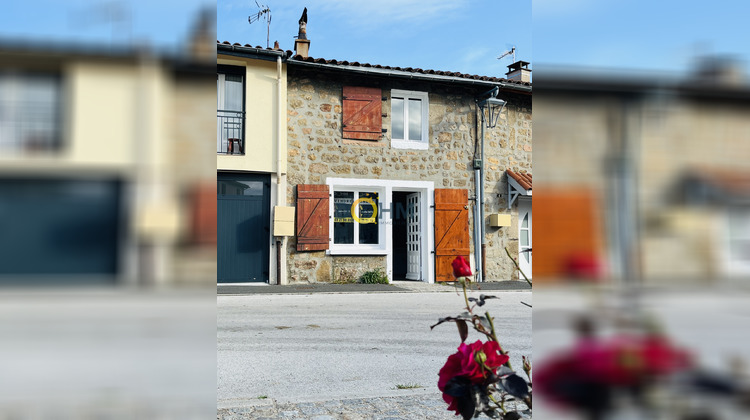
x,y
732,268
524,206
426,190
267,195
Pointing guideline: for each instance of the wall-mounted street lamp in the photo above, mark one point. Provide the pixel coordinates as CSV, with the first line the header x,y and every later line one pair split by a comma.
x,y
489,107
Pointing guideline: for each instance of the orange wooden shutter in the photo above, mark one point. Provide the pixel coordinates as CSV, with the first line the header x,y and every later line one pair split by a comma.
x,y
203,213
566,224
312,217
451,230
362,119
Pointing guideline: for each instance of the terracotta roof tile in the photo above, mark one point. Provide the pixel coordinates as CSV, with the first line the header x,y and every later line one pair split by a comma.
x,y
237,44
522,178
728,180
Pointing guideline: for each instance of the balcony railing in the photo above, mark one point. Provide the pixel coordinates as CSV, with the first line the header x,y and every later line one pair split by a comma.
x,y
230,136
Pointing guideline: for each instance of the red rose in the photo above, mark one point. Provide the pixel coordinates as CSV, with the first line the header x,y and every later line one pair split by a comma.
x,y
464,363
461,267
622,361
662,358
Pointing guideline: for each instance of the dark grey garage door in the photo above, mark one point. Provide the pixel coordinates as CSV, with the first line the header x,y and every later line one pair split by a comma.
x,y
59,227
243,212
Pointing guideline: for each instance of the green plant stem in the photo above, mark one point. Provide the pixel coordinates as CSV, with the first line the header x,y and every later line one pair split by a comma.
x,y
466,298
494,337
517,266
500,404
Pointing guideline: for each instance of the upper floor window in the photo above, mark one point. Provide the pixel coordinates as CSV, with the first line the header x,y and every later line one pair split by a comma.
x,y
409,119
30,112
230,106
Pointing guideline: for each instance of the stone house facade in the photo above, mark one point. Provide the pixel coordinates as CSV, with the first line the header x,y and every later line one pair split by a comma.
x,y
376,155
649,175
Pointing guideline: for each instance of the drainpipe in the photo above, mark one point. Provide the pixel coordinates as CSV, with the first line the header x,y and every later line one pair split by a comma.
x,y
475,215
477,210
481,206
281,241
280,127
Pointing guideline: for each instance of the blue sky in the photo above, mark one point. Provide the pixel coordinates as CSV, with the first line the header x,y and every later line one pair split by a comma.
x,y
452,35
162,23
638,35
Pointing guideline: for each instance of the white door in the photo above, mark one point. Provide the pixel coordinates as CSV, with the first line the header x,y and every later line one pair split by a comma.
x,y
524,236
737,254
413,237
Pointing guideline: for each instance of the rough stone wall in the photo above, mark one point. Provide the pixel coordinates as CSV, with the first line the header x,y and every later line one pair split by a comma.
x,y
317,150
507,146
311,267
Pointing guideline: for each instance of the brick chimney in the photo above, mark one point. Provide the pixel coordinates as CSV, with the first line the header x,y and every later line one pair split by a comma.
x,y
720,71
519,71
202,44
302,47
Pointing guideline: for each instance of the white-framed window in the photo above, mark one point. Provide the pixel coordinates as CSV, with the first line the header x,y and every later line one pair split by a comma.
x,y
409,119
30,112
230,110
357,224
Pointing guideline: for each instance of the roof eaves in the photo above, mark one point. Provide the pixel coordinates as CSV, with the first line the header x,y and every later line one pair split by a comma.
x,y
248,49
409,73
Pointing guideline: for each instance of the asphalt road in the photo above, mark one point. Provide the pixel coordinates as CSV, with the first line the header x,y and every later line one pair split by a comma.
x,y
318,347
106,353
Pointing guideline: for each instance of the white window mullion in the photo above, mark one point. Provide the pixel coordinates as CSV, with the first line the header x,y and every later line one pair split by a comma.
x,y
425,121
407,123
356,212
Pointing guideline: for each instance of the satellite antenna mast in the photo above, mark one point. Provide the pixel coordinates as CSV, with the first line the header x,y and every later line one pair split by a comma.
x,y
263,12
509,52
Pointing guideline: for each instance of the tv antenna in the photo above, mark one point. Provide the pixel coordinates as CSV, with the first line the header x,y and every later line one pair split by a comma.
x,y
509,52
263,12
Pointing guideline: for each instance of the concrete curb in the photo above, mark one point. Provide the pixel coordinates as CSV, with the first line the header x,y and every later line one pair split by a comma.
x,y
395,287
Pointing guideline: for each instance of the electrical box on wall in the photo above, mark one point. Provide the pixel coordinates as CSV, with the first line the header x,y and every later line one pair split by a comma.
x,y
499,220
283,221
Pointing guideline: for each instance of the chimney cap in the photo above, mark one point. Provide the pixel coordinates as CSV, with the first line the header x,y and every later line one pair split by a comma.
x,y
518,65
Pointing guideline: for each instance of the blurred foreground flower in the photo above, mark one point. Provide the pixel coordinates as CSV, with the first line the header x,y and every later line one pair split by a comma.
x,y
588,376
461,267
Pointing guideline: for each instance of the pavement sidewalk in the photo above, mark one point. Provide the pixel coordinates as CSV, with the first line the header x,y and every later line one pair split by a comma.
x,y
381,408
394,287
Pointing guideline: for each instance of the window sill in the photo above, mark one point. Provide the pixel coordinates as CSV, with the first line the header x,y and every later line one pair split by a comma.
x,y
356,250
406,144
